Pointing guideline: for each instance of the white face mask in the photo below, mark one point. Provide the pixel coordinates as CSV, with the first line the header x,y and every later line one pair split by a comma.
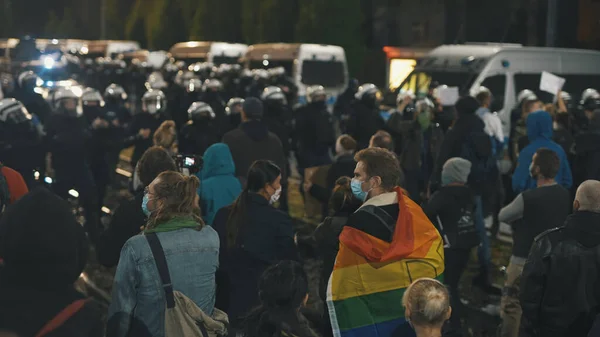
x,y
276,195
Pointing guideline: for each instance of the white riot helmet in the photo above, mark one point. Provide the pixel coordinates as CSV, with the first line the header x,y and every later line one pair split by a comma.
x,y
276,72
13,112
402,94
260,74
91,96
273,94
316,93
65,101
526,95
156,82
367,90
213,85
201,112
116,92
566,97
183,77
194,85
154,101
28,79
232,103
589,93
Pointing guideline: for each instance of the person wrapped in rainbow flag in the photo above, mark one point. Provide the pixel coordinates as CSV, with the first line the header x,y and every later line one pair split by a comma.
x,y
385,246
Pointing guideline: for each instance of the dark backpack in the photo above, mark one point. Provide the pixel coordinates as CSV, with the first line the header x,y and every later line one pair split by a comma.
x,y
4,191
477,148
465,236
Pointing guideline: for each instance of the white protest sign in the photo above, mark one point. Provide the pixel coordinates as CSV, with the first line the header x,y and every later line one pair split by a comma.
x,y
448,95
551,83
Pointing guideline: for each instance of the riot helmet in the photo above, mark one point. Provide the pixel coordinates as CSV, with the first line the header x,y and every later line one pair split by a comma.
x,y
115,94
369,94
200,112
91,97
273,95
13,112
234,106
154,102
590,99
66,102
316,93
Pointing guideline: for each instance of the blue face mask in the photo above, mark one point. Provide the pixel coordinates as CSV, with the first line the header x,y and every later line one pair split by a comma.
x,y
145,205
356,186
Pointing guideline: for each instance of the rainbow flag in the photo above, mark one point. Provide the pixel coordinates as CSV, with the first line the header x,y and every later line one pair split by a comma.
x,y
364,295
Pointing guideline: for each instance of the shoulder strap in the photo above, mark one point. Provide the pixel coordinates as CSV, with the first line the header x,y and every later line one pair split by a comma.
x,y
62,317
161,265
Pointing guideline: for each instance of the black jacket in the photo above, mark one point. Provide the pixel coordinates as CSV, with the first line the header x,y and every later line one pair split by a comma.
x,y
68,139
266,237
327,240
560,284
313,129
25,311
364,122
279,121
587,154
453,143
195,138
139,122
446,208
125,223
342,167
252,141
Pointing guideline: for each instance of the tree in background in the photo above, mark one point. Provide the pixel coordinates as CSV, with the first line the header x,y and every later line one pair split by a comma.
x,y
61,27
337,22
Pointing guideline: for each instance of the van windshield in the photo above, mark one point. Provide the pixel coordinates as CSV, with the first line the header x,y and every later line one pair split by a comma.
x,y
218,60
267,64
419,80
326,73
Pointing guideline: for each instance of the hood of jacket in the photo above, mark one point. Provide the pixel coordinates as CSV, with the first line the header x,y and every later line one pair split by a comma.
x,y
539,125
256,130
40,239
466,124
217,162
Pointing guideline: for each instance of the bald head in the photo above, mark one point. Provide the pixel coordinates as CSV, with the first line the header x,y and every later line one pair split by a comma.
x,y
588,197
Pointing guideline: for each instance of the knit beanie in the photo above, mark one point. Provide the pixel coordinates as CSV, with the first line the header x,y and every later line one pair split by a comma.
x,y
42,244
253,108
455,170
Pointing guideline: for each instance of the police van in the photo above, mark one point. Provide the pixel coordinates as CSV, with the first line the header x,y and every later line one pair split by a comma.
x,y
203,51
505,69
306,64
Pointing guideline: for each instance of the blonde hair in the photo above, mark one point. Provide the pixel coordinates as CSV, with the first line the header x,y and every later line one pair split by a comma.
x,y
428,301
166,136
178,194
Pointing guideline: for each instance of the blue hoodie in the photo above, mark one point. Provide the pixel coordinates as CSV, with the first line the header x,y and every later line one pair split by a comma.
x,y
539,132
218,185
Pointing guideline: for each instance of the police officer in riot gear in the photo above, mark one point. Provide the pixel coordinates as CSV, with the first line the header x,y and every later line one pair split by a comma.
x,y
260,80
234,112
105,140
212,96
590,101
67,139
33,101
143,125
365,119
277,116
20,141
314,135
279,78
191,93
199,133
115,99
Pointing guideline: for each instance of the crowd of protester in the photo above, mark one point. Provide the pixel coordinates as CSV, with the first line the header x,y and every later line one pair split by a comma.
x,y
208,247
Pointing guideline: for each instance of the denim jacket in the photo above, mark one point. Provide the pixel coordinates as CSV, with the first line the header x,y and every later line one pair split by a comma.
x,y
138,300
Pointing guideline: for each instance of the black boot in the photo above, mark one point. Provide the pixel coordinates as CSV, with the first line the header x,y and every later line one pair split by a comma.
x,y
482,281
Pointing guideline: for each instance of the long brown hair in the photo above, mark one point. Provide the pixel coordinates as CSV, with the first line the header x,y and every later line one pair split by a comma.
x,y
177,194
166,136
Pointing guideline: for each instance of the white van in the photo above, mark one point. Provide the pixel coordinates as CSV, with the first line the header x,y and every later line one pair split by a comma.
x,y
203,51
505,69
306,64
108,48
